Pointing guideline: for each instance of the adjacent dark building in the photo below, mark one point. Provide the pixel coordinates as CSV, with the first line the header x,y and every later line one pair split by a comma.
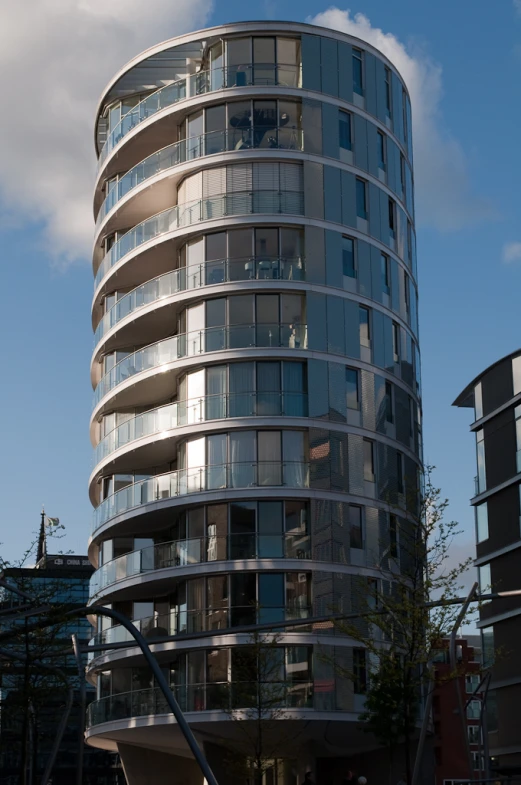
x,y
496,397
32,702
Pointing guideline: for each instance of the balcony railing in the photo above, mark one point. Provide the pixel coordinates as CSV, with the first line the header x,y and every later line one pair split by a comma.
x,y
198,84
234,203
197,275
211,143
197,410
196,550
180,622
212,339
203,697
290,474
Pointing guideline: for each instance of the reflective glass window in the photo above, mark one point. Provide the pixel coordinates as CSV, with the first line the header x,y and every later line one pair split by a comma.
x,y
478,402
392,220
266,242
480,451
389,402
344,130
488,646
361,199
399,473
216,312
385,273
381,150
240,243
358,84
352,391
396,342
348,257
516,374
359,672
238,51
368,455
365,335
264,50
356,535
240,309
485,580
388,102
216,246
482,522
393,536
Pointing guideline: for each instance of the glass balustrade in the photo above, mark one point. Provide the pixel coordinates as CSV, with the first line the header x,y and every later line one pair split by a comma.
x,y
179,622
291,474
197,84
201,697
181,553
197,410
213,339
233,203
211,143
197,275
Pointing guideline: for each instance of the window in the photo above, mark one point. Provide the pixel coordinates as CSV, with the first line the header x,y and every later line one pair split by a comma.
x,y
385,274
488,646
481,522
393,536
352,389
517,415
365,333
402,173
396,342
472,681
361,199
474,710
381,150
407,292
404,112
478,402
409,243
477,761
392,222
485,581
399,472
480,450
358,84
344,130
368,460
359,672
388,402
516,374
356,535
348,257
388,92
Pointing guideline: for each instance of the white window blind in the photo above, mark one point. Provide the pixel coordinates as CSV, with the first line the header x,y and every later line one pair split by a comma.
x,y
191,189
214,181
239,178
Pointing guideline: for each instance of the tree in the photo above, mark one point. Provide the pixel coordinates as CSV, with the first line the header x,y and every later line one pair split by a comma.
x,y
398,632
259,698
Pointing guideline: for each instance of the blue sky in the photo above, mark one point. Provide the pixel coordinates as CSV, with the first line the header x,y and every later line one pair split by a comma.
x,y
469,294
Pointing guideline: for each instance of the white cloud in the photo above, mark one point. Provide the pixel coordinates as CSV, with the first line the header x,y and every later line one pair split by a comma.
x,y
56,56
511,253
444,196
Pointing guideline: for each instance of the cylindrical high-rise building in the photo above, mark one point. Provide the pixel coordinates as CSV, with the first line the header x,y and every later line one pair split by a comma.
x,y
256,417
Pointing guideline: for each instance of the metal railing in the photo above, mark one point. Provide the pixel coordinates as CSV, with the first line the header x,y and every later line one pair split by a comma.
x,y
204,274
252,137
212,339
195,550
198,84
179,622
233,203
198,410
289,474
223,696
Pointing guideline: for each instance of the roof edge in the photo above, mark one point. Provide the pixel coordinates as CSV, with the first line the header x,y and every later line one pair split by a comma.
x,y
463,399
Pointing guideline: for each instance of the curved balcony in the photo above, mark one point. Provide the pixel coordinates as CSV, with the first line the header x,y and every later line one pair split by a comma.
x,y
199,550
197,275
288,474
220,206
261,74
197,410
211,143
217,696
180,622
213,339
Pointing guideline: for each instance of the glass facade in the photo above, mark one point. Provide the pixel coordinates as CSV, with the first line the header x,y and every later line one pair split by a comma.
x,y
257,409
